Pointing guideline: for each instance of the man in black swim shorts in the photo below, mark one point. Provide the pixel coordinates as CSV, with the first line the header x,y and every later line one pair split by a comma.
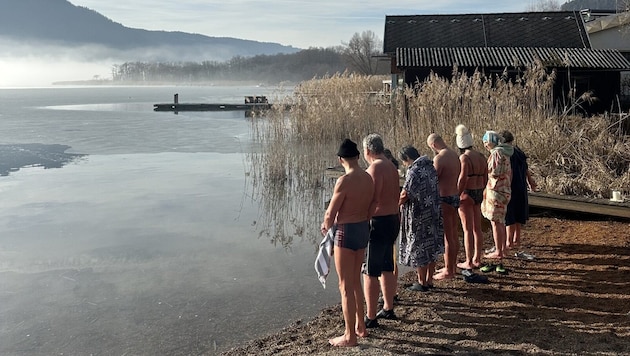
x,y
379,268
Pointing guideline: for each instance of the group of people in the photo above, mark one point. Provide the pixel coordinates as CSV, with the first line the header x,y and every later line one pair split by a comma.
x,y
369,210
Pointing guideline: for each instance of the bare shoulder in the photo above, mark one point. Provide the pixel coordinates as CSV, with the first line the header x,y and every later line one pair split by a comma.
x,y
376,167
441,158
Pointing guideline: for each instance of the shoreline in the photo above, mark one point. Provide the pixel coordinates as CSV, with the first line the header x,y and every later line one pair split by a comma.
x,y
557,303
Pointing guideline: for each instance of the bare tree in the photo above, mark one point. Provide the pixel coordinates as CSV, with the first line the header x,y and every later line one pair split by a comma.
x,y
360,51
544,5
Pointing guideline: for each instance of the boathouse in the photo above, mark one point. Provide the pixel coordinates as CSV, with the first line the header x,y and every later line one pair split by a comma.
x,y
611,30
495,43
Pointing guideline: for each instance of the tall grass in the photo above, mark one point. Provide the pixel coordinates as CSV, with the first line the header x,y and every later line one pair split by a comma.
x,y
570,155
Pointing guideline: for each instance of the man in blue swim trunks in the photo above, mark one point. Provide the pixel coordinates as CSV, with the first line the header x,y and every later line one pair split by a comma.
x,y
379,266
447,165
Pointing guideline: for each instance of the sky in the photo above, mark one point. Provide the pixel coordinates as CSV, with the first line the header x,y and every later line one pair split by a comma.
x,y
297,23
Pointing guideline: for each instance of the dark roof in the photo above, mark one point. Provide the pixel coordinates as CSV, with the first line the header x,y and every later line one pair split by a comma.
x,y
502,57
562,29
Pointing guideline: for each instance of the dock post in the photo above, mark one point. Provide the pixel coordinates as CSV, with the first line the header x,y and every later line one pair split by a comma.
x,y
176,99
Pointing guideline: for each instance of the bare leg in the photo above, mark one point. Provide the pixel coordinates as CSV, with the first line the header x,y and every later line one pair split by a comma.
x,y
513,235
345,261
430,273
478,235
360,329
466,213
516,236
388,287
509,232
371,287
422,275
451,244
498,231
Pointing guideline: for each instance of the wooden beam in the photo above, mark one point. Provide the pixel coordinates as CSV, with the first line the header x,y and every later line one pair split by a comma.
x,y
580,204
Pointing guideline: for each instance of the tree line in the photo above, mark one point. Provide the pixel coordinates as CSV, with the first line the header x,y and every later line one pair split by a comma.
x,y
358,55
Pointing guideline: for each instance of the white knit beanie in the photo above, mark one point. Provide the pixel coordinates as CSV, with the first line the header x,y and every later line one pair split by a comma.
x,y
464,138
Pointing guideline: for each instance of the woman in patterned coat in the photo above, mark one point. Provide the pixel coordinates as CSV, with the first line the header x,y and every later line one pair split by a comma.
x,y
422,228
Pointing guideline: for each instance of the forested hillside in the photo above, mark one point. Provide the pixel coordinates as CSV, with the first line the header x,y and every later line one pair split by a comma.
x,y
60,23
296,67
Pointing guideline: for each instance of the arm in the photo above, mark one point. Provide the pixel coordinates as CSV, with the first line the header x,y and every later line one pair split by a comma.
x,y
378,188
333,206
403,197
531,181
438,165
463,174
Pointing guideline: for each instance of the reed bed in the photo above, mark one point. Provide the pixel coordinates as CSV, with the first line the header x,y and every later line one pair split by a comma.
x,y
568,154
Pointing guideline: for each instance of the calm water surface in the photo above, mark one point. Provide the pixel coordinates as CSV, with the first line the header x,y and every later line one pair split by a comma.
x,y
145,240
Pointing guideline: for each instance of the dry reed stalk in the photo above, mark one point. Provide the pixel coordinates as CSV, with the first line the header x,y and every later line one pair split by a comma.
x,y
568,154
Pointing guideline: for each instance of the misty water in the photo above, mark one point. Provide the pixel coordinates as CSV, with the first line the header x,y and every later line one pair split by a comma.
x,y
129,231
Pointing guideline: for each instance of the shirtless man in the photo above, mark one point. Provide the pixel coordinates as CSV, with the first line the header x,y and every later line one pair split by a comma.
x,y
446,163
349,212
472,180
385,227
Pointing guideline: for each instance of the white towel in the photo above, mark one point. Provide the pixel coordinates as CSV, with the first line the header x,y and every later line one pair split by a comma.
x,y
322,262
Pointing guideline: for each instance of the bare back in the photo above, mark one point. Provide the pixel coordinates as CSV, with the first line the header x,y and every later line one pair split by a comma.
x,y
352,198
386,186
447,165
474,170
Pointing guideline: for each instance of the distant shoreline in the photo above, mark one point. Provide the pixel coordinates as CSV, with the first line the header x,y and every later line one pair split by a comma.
x,y
108,82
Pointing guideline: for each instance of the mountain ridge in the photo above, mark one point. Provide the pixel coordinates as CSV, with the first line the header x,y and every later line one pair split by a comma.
x,y
60,23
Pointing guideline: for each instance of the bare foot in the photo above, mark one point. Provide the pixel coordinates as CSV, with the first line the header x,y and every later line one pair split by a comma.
x,y
341,341
360,328
441,270
465,265
495,255
361,333
476,264
443,275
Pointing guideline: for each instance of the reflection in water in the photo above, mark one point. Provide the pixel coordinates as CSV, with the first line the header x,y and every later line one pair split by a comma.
x,y
14,157
288,170
288,178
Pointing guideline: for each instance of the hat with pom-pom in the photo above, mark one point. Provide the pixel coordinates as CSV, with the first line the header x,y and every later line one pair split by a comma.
x,y
464,138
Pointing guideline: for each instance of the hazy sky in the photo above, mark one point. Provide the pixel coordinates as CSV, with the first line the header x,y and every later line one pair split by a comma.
x,y
298,23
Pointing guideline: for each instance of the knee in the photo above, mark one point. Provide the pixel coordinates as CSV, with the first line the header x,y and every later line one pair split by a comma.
x,y
345,288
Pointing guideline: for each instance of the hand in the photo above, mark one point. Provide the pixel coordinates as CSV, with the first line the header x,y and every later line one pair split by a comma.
x,y
324,229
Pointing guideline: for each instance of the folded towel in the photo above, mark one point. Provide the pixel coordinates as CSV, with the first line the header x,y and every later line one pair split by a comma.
x,y
322,262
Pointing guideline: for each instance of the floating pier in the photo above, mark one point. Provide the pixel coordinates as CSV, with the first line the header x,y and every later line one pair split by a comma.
x,y
251,103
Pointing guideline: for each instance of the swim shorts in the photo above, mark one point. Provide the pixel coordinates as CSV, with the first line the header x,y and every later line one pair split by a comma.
x,y
452,200
353,236
380,250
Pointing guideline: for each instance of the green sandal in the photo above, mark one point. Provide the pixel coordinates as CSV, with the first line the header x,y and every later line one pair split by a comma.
x,y
488,268
500,269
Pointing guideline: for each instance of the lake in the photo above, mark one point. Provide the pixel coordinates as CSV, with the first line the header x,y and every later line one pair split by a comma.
x,y
129,231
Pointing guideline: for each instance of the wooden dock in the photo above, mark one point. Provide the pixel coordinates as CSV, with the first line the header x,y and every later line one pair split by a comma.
x,y
210,107
595,206
251,103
